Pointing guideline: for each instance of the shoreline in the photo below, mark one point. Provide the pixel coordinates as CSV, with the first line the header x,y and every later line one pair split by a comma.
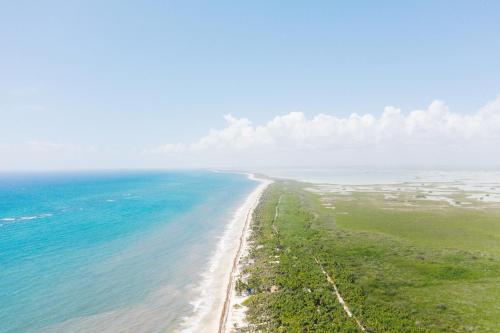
x,y
229,317
212,309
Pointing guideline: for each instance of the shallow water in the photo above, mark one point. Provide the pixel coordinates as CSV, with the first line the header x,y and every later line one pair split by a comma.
x,y
372,176
108,251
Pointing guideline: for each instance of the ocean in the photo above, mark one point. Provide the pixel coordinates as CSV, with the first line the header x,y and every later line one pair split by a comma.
x,y
109,251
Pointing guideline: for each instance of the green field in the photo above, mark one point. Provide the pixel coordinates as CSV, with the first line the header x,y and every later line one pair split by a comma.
x,y
424,267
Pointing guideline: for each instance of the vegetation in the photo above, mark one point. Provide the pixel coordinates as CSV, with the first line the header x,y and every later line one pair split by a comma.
x,y
423,269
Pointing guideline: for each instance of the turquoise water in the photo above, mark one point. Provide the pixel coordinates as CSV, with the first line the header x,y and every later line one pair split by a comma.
x,y
75,246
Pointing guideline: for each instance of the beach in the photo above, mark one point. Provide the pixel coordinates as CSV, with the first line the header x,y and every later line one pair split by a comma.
x,y
213,310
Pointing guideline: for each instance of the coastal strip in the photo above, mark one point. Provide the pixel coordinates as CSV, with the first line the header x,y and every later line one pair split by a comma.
x,y
229,316
212,311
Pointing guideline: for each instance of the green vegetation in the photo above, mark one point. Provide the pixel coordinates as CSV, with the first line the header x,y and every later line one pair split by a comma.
x,y
424,268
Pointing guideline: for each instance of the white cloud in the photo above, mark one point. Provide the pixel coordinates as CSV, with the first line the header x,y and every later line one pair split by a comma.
x,y
435,129
433,136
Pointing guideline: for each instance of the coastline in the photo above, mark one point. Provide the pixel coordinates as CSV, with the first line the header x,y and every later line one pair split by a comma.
x,y
213,310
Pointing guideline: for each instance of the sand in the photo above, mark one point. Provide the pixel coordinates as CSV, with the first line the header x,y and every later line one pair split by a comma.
x,y
214,311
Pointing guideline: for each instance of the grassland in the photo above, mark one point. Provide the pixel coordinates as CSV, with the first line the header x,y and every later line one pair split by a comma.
x,y
400,267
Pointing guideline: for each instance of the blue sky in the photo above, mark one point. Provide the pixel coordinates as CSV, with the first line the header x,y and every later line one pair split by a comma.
x,y
138,74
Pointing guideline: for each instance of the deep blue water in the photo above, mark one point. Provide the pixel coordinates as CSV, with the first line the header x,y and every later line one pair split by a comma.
x,y
75,245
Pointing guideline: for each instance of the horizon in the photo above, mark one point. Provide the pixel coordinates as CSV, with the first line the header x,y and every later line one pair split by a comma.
x,y
263,169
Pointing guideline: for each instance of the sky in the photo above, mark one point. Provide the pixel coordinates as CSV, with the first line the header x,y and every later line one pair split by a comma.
x,y
171,84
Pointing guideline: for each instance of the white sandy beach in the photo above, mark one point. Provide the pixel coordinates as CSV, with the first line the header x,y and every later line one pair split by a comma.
x,y
214,310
